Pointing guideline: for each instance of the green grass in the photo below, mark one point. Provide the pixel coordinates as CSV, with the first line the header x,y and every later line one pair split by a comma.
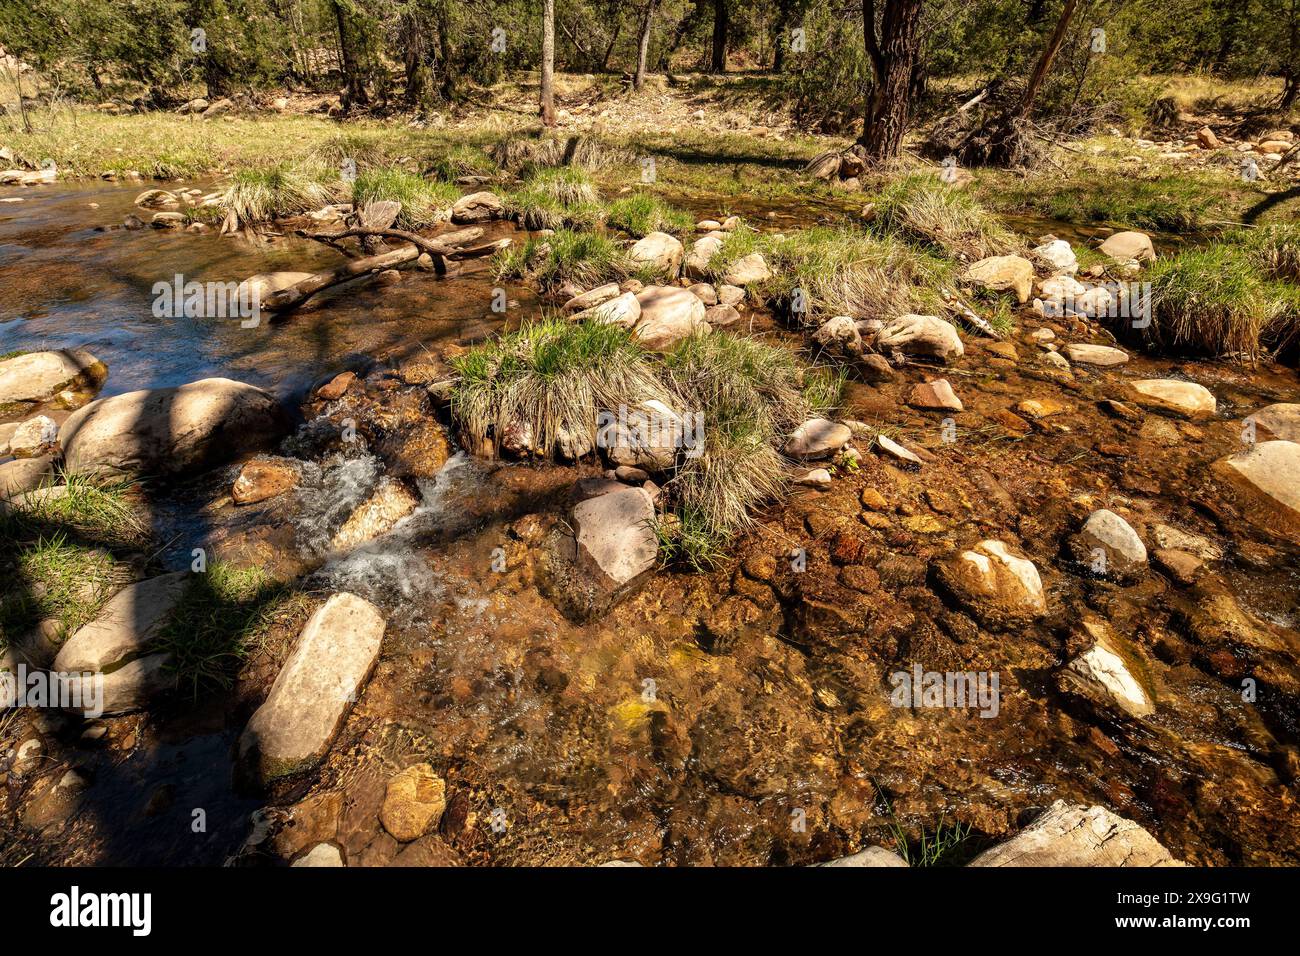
x,y
424,202
922,209
462,161
55,577
563,197
554,376
99,511
585,258
222,617
260,195
845,271
641,213
1216,300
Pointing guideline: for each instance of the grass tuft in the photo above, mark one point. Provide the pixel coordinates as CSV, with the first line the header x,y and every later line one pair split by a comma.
x,y
557,198
424,203
260,195
584,258
922,209
641,213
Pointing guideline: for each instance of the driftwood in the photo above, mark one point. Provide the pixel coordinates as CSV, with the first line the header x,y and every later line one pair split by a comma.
x,y
968,314
452,245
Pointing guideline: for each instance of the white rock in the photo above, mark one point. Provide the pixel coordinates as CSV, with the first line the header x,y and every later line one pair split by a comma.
x,y
1102,674
925,335
1124,246
818,438
1075,835
703,250
1059,256
38,376
322,854
999,587
1267,477
659,250
314,691
623,310
748,270
871,856
592,297
1103,355
1281,421
1000,273
1174,395
1121,550
668,315
32,437
125,625
615,538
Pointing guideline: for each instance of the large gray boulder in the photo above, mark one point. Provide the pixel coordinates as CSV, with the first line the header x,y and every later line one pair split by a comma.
x,y
39,376
169,431
1075,835
315,690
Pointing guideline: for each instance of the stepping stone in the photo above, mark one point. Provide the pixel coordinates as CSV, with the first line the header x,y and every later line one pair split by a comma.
x,y
1103,355
1173,395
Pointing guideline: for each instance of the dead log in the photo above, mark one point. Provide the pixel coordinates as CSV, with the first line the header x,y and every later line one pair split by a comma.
x,y
968,314
451,245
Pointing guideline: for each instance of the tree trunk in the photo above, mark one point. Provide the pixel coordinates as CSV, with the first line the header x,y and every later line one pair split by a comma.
x,y
1044,63
354,92
643,47
782,39
718,64
548,63
893,55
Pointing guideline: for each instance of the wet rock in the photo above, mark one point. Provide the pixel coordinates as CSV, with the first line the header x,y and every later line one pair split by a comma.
x,y
817,438
615,538
322,854
923,335
668,315
1172,395
477,207
1109,545
313,820
871,856
658,250
26,474
1179,565
261,479
124,627
623,310
999,587
1102,674
39,376
1120,410
336,387
1103,355
1075,835
32,438
1002,273
1037,408
696,265
1056,361
169,431
1267,477
390,503
593,297
1124,246
413,803
935,396
747,270
876,369
1059,257
1280,421
1168,536
314,691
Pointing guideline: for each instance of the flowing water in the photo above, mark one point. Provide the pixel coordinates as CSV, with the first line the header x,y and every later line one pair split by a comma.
x,y
740,716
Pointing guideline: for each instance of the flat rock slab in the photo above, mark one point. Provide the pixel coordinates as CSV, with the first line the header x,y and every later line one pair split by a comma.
x,y
1102,355
314,691
1075,835
936,396
1174,395
615,538
1268,479
125,625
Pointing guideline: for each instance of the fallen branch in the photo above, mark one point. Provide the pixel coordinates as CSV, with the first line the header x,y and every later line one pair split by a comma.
x,y
968,314
448,246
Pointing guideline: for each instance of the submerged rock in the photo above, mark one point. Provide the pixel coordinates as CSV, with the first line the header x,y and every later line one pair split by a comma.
x,y
1102,674
39,376
262,479
1000,588
169,431
1075,835
1280,421
871,856
390,502
1267,476
1103,355
322,854
413,803
315,690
